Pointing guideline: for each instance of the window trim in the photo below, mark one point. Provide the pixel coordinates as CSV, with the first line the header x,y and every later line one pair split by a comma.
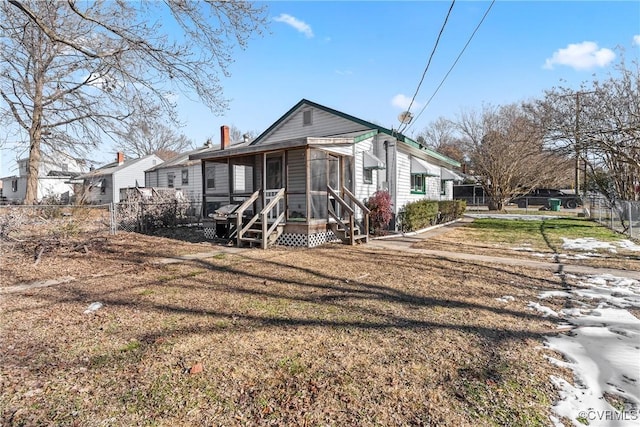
x,y
367,176
423,187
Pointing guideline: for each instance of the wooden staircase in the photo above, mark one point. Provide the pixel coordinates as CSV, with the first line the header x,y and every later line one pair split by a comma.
x,y
343,217
260,229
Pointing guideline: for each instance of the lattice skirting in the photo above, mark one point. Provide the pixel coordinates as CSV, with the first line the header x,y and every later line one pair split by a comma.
x,y
209,233
293,239
306,240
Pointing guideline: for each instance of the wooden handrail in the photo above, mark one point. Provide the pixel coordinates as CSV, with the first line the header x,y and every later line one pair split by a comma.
x,y
266,230
350,211
239,213
356,201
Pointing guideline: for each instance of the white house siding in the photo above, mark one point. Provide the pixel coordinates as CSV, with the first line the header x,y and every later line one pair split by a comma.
x,y
322,124
362,190
54,187
403,176
7,188
132,176
448,190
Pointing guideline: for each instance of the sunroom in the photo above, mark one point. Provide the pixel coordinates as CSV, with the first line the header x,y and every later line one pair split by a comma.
x,y
297,192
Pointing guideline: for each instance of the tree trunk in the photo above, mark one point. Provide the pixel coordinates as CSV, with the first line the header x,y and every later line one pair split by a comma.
x,y
35,137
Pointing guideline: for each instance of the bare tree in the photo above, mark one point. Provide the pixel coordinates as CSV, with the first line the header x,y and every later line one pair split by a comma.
x,y
154,138
72,73
440,135
600,125
507,153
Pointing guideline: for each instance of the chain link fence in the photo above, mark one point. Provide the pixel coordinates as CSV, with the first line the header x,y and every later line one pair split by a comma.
x,y
146,217
29,222
622,216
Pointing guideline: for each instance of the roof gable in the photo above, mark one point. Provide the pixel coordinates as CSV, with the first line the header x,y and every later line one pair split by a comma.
x,y
114,167
359,125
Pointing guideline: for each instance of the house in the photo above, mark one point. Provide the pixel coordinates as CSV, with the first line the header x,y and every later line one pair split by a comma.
x,y
54,175
304,180
102,185
180,173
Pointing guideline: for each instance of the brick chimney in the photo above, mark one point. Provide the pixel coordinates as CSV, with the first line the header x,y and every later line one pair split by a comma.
x,y
224,137
120,157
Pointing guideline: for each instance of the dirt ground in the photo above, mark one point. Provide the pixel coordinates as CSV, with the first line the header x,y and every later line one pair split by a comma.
x,y
335,335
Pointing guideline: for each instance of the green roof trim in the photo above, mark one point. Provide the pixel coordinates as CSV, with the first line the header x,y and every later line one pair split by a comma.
x,y
365,136
375,128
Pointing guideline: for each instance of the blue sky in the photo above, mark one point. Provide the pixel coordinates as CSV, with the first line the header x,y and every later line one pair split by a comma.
x,y
365,58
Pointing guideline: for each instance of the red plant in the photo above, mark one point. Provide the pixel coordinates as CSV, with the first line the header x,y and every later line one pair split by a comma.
x,y
381,211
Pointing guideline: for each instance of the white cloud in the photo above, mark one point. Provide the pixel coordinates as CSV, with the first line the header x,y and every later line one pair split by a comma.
x,y
581,56
636,39
402,101
294,22
344,72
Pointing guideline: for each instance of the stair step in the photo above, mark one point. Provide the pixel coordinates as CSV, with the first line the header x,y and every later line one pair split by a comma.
x,y
253,231
251,240
360,236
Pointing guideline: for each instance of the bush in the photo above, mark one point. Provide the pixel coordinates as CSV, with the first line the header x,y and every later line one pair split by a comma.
x,y
381,212
419,214
451,210
425,213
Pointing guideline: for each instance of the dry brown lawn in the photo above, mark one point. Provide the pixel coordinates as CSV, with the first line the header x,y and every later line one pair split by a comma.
x,y
334,336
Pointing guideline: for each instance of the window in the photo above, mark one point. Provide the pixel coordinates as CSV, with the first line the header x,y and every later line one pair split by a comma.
x,y
306,117
443,187
210,173
185,176
14,185
170,180
417,184
103,186
367,176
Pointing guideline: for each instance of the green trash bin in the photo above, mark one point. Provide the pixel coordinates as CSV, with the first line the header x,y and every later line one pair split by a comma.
x,y
554,204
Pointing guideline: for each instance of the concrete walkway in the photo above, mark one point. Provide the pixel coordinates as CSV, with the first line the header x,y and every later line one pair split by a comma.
x,y
405,244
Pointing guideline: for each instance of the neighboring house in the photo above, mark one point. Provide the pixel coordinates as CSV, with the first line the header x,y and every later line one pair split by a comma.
x,y
54,176
103,185
319,165
179,173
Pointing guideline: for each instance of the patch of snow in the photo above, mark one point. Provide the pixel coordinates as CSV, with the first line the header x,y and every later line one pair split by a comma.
x,y
601,350
93,307
579,256
506,298
589,244
523,249
551,294
585,244
629,245
546,311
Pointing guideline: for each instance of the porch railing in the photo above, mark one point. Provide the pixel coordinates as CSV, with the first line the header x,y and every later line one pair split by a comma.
x,y
267,228
269,222
240,214
349,223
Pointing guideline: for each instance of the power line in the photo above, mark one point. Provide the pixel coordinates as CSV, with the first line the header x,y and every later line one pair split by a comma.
x,y
454,64
429,61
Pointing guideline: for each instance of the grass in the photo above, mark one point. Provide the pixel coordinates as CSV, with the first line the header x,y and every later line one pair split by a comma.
x,y
540,234
330,336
